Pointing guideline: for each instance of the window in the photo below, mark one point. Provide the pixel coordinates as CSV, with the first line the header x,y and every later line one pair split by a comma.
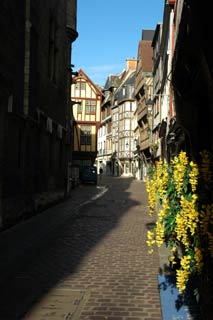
x,y
127,124
80,85
85,135
83,86
79,108
77,85
128,106
90,106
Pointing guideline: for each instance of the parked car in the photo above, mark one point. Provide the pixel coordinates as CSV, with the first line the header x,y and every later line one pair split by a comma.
x,y
88,174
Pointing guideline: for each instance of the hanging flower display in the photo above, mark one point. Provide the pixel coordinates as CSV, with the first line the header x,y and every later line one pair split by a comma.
x,y
180,195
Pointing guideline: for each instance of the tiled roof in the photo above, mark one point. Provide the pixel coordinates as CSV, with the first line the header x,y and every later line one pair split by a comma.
x,y
145,54
127,82
112,81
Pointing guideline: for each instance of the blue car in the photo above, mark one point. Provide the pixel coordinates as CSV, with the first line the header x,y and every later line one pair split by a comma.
x,y
88,174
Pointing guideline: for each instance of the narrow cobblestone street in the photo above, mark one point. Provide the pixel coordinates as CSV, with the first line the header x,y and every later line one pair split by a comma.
x,y
83,259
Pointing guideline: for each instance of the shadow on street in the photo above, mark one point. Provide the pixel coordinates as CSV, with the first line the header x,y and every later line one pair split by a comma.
x,y
42,252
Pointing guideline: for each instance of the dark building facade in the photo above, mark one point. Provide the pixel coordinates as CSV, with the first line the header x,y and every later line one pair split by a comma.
x,y
192,75
34,103
192,80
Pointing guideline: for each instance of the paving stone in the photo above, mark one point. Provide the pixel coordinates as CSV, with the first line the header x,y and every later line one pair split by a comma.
x,y
89,246
58,304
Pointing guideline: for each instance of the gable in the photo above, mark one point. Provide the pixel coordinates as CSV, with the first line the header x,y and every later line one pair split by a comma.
x,y
82,76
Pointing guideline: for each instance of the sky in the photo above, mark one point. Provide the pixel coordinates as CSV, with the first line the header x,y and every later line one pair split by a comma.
x,y
109,33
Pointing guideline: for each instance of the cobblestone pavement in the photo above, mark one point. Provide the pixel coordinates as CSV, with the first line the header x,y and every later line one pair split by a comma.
x,y
83,259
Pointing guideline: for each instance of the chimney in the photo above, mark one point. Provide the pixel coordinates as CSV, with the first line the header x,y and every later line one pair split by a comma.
x,y
131,63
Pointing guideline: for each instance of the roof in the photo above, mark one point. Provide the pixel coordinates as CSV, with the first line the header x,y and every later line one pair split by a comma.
x,y
113,81
82,74
128,82
145,55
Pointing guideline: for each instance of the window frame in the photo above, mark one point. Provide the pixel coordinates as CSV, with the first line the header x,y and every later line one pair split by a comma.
x,y
85,135
90,106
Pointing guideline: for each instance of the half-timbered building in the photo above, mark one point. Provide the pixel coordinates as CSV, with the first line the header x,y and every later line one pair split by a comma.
x,y
86,99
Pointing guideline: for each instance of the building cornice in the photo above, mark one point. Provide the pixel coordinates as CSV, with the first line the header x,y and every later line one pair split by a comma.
x,y
71,33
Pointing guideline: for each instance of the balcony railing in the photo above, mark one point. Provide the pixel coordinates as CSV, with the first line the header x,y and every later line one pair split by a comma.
x,y
145,138
142,113
107,118
139,82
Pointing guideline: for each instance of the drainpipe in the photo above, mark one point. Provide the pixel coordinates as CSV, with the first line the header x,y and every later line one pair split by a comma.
x,y
172,37
27,58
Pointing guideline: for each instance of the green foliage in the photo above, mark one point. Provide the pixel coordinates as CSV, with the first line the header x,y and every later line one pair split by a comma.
x,y
181,220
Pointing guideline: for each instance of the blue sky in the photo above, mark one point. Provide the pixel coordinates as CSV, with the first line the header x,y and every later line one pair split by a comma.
x,y
109,32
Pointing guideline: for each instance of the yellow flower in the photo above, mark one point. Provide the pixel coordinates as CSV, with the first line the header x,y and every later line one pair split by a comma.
x,y
150,238
182,275
172,260
193,175
184,216
185,262
179,169
181,229
152,198
198,259
160,229
182,279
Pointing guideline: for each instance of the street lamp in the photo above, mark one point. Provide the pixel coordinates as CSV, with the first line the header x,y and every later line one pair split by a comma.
x,y
149,104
